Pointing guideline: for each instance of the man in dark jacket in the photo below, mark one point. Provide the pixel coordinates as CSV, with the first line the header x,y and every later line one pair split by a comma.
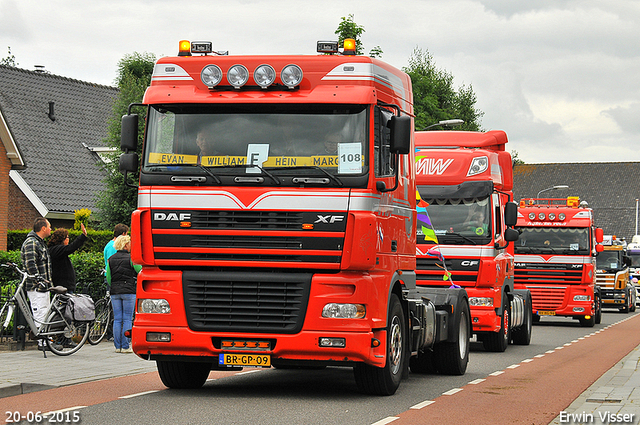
x,y
36,261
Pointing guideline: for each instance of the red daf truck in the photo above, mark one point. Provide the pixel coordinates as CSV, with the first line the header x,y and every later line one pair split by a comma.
x,y
555,258
464,188
276,221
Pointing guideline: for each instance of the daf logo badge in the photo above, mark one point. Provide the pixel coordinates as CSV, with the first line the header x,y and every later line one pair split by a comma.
x,y
171,216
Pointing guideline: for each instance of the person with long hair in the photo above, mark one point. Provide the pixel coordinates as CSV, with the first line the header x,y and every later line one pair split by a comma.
x,y
122,279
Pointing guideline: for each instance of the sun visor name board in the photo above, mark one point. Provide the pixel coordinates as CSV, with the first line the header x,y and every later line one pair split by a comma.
x,y
352,164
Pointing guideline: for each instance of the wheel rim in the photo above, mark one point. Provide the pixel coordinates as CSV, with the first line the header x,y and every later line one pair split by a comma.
x,y
395,345
463,337
505,319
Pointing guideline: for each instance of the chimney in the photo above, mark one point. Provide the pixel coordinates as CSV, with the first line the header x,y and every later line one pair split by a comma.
x,y
51,115
40,69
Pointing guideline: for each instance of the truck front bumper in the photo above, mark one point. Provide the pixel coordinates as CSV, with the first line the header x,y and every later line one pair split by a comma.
x,y
367,347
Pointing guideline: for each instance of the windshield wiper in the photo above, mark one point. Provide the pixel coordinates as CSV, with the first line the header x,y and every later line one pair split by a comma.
x,y
459,235
315,167
245,166
206,170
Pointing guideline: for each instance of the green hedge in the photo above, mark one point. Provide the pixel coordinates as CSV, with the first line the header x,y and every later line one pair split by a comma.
x,y
97,239
89,268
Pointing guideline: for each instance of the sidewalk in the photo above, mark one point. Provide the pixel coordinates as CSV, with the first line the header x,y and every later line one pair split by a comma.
x,y
610,398
27,371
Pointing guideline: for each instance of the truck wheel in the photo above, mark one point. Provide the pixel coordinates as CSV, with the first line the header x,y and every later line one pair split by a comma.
x,y
598,309
587,323
625,309
452,357
386,380
498,341
522,335
183,375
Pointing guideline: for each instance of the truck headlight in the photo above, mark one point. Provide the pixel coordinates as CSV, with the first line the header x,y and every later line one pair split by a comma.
x,y
344,311
478,165
582,298
481,301
154,306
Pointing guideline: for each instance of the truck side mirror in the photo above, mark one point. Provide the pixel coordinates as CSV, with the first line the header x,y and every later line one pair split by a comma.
x,y
511,214
511,235
400,127
128,162
599,235
129,133
599,248
626,260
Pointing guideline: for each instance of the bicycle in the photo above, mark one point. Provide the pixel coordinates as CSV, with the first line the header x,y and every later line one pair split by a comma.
x,y
62,336
104,320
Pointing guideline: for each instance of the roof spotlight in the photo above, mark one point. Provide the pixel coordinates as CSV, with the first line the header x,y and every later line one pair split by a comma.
x,y
264,75
291,76
238,75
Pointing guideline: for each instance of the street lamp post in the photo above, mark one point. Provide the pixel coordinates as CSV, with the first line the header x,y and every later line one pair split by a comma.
x,y
450,123
559,186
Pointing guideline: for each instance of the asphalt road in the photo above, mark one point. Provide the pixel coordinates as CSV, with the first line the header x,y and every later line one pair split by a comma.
x,y
274,396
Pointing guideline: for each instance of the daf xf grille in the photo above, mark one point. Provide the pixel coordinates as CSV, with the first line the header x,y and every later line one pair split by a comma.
x,y
563,274
547,297
257,302
229,238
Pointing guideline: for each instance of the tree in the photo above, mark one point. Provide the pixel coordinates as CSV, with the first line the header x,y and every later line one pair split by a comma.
x,y
117,201
9,60
434,96
515,159
349,29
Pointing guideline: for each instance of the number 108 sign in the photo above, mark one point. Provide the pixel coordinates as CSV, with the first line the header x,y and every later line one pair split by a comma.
x,y
349,158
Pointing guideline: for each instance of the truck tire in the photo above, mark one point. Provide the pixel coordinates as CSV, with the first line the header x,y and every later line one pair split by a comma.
x,y
587,323
452,357
498,341
627,303
386,380
522,335
183,375
597,308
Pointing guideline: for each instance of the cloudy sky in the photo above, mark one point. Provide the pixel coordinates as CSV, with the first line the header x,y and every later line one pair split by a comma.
x,y
561,77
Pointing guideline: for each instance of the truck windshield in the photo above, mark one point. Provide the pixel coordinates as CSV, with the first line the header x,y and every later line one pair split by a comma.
x,y
454,221
635,258
283,139
568,241
609,260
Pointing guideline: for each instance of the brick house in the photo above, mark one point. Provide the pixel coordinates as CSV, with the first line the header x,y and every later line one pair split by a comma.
x,y
51,131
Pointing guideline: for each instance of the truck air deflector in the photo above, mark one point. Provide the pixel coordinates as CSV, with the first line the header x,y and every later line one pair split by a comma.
x,y
469,189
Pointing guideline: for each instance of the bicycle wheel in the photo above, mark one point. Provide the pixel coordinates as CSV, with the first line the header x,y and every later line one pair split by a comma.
x,y
98,328
64,338
6,319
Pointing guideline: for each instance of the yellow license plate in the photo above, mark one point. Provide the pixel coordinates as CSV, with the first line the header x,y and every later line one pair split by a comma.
x,y
244,359
546,313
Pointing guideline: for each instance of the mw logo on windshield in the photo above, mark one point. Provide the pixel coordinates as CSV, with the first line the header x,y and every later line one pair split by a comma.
x,y
431,166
